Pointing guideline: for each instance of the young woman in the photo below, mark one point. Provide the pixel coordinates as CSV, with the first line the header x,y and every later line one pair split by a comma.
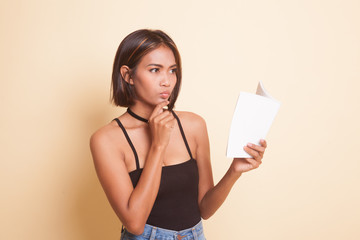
x,y
154,162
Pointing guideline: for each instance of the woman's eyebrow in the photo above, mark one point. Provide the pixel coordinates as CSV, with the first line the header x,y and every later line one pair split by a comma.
x,y
159,65
154,64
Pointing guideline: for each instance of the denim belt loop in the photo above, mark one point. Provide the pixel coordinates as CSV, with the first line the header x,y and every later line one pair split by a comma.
x,y
153,233
194,233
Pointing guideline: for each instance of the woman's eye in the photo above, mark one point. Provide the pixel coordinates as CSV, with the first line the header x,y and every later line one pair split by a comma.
x,y
173,70
153,70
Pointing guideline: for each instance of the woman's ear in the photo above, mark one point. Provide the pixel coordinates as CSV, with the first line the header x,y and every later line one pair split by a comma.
x,y
126,74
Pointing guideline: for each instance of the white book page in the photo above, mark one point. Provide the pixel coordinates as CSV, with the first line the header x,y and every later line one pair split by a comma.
x,y
253,117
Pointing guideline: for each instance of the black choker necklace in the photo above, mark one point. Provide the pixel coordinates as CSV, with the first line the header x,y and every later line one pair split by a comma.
x,y
136,116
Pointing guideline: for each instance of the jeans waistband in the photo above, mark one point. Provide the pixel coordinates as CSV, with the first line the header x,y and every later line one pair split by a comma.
x,y
186,234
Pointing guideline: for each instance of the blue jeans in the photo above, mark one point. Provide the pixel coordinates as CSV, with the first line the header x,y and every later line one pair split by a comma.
x,y
155,233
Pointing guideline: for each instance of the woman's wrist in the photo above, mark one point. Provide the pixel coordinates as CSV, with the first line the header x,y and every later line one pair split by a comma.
x,y
233,172
157,147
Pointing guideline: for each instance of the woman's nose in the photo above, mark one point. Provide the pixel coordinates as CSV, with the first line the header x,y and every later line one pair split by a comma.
x,y
165,81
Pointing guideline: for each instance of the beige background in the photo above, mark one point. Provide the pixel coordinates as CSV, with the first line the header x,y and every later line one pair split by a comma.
x,y
56,59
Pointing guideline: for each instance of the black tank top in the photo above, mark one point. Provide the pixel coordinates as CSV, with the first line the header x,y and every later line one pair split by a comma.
x,y
176,205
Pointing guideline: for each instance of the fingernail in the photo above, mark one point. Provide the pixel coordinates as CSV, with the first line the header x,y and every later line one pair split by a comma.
x,y
249,144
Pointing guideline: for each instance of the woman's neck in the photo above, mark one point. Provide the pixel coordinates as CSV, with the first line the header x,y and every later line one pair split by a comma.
x,y
142,110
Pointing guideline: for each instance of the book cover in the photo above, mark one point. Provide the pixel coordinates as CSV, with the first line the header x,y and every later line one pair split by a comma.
x,y
252,119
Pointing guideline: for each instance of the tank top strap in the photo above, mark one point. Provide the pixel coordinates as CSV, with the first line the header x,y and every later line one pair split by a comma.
x,y
183,134
129,141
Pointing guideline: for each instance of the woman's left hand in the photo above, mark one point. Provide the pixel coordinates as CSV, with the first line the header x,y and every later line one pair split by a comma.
x,y
241,165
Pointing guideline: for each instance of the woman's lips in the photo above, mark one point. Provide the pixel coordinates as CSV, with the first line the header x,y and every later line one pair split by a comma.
x,y
165,95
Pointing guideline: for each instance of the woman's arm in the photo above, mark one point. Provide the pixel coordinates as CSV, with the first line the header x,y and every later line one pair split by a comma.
x,y
132,205
211,197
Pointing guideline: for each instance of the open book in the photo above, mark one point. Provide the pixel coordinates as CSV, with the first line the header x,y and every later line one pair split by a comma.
x,y
253,116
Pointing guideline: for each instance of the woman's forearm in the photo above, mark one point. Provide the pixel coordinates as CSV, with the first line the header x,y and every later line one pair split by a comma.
x,y
215,197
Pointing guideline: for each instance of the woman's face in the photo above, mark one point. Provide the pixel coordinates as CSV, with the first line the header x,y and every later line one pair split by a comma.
x,y
155,76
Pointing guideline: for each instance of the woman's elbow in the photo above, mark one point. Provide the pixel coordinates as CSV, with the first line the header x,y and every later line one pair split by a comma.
x,y
135,228
205,216
205,213
133,221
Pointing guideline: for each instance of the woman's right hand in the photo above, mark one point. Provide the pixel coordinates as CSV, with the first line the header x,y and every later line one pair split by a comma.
x,y
161,124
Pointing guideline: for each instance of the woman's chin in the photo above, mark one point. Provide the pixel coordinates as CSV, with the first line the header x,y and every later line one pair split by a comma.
x,y
152,103
161,100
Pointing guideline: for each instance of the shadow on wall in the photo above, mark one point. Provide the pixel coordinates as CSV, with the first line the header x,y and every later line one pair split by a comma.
x,y
90,214
95,218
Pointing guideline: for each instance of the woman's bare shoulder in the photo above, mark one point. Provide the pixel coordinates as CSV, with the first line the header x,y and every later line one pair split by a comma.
x,y
191,121
105,136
